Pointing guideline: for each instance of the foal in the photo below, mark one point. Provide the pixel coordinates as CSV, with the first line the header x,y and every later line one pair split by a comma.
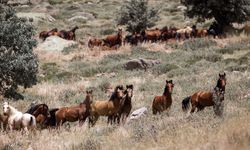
x,y
161,103
75,113
40,112
203,99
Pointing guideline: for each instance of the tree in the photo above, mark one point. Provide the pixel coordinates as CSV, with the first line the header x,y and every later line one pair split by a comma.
x,y
18,63
137,16
224,12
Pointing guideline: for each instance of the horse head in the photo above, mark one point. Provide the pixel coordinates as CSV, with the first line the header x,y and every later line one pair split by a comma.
x,y
129,91
169,87
118,93
89,97
6,108
222,81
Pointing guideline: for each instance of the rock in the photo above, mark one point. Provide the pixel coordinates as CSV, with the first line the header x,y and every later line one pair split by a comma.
x,y
36,16
81,16
182,8
140,64
55,43
138,113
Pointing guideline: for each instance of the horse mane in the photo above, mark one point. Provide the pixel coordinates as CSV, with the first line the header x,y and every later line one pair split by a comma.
x,y
34,108
74,29
165,90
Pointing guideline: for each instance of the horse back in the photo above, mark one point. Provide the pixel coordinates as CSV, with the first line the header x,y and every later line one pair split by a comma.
x,y
203,98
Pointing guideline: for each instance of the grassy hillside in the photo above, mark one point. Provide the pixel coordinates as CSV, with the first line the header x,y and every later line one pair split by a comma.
x,y
192,65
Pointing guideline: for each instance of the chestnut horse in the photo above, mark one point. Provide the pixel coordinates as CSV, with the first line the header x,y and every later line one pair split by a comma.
x,y
68,35
40,112
95,42
75,113
164,102
126,107
3,121
107,108
44,34
151,35
203,99
114,40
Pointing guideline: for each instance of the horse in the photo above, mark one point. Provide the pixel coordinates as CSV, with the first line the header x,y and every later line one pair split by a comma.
x,y
107,108
17,119
51,120
75,113
203,99
44,34
95,42
40,112
185,33
151,35
133,39
113,40
68,35
126,107
3,121
164,102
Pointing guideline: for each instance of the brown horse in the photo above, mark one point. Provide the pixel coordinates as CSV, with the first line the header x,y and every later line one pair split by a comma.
x,y
68,35
125,110
40,112
45,34
133,39
107,108
151,35
203,99
95,42
3,121
164,102
75,113
114,40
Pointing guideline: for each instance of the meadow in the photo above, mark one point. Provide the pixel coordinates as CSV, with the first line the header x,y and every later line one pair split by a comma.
x,y
193,65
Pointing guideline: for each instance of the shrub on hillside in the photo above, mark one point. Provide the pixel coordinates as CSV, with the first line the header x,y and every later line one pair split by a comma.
x,y
137,15
18,63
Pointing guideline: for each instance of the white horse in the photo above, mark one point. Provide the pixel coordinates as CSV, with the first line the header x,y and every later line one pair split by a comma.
x,y
17,119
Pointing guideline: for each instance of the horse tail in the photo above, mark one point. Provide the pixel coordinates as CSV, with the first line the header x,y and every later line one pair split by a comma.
x,y
185,103
32,121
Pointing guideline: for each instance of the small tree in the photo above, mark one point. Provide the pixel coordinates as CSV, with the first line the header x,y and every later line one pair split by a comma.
x,y
18,64
224,12
137,16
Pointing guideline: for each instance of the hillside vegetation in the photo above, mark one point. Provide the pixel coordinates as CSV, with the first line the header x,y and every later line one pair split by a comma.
x,y
193,65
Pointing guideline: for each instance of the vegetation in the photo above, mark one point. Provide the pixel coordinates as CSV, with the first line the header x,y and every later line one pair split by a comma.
x,y
18,64
224,12
137,15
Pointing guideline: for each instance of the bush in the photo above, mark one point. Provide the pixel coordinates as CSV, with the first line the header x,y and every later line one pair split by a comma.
x,y
137,15
18,63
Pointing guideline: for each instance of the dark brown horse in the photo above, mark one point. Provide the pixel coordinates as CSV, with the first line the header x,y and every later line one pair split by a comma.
x,y
3,121
45,34
75,113
164,102
133,39
40,112
203,99
68,35
114,40
51,120
107,108
125,110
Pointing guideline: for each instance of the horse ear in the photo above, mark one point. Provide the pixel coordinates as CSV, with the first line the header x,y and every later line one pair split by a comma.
x,y
170,81
91,91
132,86
166,81
224,74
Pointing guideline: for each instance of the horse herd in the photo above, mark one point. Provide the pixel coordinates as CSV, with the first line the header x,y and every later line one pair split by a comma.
x,y
117,108
153,35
